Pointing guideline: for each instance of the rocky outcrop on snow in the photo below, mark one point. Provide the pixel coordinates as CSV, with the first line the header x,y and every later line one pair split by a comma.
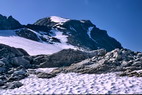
x,y
7,23
27,33
118,60
65,57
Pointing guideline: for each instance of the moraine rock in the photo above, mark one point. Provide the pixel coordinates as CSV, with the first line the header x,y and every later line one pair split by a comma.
x,y
45,75
118,60
20,61
65,58
17,74
13,64
12,85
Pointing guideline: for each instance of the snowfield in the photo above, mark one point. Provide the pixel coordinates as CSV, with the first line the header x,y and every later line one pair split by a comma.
x,y
73,83
8,37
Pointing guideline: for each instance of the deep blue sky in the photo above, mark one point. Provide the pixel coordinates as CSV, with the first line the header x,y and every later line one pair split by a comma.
x,y
121,18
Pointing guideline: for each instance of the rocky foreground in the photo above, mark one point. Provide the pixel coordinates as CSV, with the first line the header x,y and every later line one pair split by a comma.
x,y
15,64
118,60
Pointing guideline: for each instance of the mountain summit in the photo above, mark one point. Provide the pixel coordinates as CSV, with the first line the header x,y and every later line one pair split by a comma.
x,y
80,33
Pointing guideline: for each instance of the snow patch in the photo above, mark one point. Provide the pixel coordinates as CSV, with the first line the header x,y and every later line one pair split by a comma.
x,y
89,34
45,70
73,83
73,29
59,35
63,38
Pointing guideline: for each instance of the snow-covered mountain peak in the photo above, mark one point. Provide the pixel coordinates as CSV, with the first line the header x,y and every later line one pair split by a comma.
x,y
58,19
56,33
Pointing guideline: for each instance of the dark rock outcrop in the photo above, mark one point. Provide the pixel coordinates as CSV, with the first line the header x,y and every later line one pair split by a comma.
x,y
27,33
7,23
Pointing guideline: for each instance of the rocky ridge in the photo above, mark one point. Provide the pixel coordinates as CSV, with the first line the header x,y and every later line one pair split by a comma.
x,y
7,23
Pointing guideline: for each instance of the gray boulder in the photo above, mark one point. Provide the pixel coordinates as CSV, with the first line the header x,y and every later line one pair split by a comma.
x,y
12,85
45,75
20,61
18,74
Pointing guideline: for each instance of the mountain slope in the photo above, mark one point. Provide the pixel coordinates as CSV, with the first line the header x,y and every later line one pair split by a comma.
x,y
80,33
52,34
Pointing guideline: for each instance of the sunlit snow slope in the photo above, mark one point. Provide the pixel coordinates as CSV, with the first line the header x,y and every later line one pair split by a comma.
x,y
9,37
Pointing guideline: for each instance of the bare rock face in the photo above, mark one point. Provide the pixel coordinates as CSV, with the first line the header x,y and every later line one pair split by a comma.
x,y
27,33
